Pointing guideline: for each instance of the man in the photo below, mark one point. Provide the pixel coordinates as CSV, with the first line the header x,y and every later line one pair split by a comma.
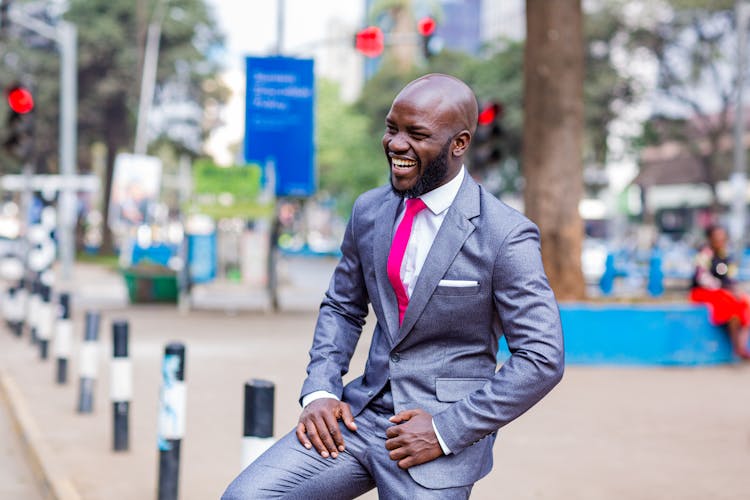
x,y
447,269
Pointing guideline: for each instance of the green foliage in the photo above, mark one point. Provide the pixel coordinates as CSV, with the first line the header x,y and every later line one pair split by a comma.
x,y
242,182
695,51
224,192
350,158
111,39
605,90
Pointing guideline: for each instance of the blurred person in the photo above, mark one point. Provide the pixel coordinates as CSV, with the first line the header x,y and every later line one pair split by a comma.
x,y
714,284
447,268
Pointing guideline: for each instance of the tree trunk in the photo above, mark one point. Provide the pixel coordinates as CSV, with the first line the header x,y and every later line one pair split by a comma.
x,y
553,137
113,137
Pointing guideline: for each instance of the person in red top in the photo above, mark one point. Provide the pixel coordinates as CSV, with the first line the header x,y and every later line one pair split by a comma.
x,y
714,284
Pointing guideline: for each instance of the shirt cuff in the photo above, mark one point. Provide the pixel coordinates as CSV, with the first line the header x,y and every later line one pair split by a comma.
x,y
309,398
444,446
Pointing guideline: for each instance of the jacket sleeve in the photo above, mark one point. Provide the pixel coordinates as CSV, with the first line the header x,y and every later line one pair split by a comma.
x,y
530,320
340,320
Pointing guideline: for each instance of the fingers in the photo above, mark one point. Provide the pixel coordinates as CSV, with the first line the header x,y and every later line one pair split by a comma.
x,y
323,430
347,417
319,427
403,416
332,425
302,437
392,432
312,434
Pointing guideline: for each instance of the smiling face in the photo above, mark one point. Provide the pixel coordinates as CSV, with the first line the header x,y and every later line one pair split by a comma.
x,y
426,134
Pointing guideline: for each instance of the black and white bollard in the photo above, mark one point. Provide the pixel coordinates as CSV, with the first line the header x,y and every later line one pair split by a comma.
x,y
171,420
7,298
88,361
63,341
257,434
45,320
32,312
15,310
121,386
22,296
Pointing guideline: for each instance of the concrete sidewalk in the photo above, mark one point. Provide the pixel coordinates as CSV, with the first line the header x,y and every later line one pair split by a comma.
x,y
17,477
603,433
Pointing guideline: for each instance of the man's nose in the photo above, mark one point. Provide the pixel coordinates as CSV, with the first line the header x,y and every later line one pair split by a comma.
x,y
397,144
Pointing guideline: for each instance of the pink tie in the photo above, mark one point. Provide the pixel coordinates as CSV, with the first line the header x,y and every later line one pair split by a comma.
x,y
398,248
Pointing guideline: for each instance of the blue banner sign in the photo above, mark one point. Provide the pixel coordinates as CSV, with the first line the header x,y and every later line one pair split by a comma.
x,y
279,113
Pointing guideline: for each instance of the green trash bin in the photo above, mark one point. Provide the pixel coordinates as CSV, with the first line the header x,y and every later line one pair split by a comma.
x,y
151,285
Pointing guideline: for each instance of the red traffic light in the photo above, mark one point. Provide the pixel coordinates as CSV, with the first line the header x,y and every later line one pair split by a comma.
x,y
426,26
20,100
489,113
369,41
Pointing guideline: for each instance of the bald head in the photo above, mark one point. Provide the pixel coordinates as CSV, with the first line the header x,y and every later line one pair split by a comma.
x,y
444,94
427,132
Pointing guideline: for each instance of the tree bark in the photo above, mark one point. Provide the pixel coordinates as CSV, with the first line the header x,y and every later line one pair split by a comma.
x,y
553,137
113,140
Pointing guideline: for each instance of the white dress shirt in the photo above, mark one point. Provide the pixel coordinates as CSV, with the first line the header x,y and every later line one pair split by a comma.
x,y
424,229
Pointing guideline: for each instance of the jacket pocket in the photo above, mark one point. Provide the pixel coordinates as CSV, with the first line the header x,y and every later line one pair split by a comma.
x,y
449,390
457,290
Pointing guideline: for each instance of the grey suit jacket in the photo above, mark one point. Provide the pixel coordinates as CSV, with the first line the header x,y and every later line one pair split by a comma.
x,y
443,357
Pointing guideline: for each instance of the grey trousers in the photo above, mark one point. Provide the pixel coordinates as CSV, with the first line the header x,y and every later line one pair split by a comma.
x,y
288,470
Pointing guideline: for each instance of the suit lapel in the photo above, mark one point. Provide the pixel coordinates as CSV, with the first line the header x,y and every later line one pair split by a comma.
x,y
381,248
454,231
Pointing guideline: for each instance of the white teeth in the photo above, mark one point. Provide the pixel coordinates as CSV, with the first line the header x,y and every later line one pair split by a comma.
x,y
403,163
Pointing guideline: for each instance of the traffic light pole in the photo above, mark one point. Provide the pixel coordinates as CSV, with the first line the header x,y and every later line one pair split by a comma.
x,y
65,35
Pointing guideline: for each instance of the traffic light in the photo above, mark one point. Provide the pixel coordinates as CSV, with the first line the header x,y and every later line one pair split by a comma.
x,y
369,41
426,28
19,122
487,144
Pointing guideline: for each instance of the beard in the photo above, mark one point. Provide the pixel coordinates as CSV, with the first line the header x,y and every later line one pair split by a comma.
x,y
431,177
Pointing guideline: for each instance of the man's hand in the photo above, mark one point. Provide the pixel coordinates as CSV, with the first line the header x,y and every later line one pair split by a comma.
x,y
318,426
413,440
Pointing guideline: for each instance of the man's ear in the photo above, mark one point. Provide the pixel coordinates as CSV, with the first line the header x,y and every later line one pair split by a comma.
x,y
461,143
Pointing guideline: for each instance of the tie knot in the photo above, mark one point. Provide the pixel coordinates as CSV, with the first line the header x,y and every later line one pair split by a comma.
x,y
415,205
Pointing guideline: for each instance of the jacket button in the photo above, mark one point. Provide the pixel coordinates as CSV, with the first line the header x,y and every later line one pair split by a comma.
x,y
369,393
395,357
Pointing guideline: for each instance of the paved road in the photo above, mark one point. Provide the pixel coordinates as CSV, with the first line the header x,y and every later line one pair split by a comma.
x,y
17,480
604,433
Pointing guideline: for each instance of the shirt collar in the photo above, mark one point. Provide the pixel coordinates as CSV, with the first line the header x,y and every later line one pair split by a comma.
x,y
439,199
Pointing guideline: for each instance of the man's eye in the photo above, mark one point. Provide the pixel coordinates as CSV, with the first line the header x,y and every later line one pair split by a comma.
x,y
390,129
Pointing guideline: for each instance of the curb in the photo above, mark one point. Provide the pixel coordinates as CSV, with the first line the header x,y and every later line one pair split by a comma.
x,y
44,462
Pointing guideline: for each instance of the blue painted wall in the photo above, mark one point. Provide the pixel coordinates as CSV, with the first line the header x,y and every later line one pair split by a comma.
x,y
640,334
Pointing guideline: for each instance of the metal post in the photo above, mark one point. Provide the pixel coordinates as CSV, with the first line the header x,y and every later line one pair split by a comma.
x,y
183,277
171,420
67,37
148,84
46,320
89,363
121,389
63,339
280,21
257,434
